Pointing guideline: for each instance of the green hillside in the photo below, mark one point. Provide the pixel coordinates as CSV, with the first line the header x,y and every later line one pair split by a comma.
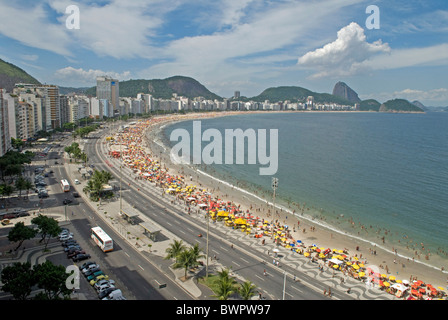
x,y
164,88
369,105
399,105
297,94
11,74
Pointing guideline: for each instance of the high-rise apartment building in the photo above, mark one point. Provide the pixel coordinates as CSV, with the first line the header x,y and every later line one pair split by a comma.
x,y
51,110
108,88
5,140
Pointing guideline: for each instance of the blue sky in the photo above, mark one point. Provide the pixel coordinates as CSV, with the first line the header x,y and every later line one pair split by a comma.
x,y
229,45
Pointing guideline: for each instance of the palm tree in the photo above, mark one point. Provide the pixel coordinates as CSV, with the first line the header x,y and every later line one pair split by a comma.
x,y
185,259
247,290
197,253
20,185
174,250
225,285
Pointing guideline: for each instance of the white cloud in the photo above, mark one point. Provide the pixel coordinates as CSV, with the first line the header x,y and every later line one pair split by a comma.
x,y
87,77
427,97
401,58
29,57
117,29
265,33
343,56
29,26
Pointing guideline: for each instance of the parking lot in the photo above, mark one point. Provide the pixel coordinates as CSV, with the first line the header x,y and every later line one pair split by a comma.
x,y
95,281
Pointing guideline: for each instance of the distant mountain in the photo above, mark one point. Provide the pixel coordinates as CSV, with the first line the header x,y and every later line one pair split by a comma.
x,y
297,94
419,104
399,105
11,74
68,90
369,105
341,89
164,88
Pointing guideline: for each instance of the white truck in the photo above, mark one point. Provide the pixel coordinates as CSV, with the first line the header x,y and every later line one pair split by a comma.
x,y
115,295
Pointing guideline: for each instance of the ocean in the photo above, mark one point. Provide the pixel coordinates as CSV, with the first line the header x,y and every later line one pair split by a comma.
x,y
372,175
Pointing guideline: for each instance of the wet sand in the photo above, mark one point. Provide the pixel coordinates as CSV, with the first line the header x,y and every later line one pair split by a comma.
x,y
310,230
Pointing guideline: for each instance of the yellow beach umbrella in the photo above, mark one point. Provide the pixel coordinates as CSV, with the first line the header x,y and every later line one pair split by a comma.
x,y
306,254
391,278
361,274
386,284
355,266
335,266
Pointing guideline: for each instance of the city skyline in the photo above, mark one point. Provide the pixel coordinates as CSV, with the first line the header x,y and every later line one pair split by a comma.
x,y
244,46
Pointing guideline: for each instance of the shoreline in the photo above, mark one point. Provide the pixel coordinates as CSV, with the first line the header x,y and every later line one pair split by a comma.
x,y
324,235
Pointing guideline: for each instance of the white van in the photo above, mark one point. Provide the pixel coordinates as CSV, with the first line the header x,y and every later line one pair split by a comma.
x,y
115,295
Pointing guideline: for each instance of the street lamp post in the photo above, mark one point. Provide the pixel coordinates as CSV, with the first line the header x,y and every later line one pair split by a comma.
x,y
274,187
208,228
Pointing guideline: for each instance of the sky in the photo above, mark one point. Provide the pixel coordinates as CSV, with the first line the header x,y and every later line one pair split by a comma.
x,y
383,49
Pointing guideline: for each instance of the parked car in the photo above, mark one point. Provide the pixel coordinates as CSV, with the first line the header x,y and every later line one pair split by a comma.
x,y
104,293
70,242
75,194
65,233
90,267
71,254
91,271
101,277
115,295
23,214
73,247
43,194
81,257
86,264
66,237
94,275
104,282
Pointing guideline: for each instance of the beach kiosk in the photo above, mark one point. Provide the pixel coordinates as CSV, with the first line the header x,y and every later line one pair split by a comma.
x,y
150,230
130,215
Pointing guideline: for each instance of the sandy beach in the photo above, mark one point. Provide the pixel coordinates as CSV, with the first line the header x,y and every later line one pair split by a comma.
x,y
382,259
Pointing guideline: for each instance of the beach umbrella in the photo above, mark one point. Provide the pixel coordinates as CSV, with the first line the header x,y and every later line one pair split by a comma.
x,y
391,278
361,274
386,284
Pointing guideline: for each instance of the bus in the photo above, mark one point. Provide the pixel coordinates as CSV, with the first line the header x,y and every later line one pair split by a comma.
x,y
65,185
102,239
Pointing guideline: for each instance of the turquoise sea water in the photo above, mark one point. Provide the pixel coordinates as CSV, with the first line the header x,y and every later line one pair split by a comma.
x,y
386,172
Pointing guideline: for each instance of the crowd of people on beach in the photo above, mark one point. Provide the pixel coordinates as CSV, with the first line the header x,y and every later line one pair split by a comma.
x,y
128,145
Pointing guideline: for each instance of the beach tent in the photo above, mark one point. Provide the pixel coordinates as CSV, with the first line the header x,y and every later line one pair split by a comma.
x,y
399,286
336,261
